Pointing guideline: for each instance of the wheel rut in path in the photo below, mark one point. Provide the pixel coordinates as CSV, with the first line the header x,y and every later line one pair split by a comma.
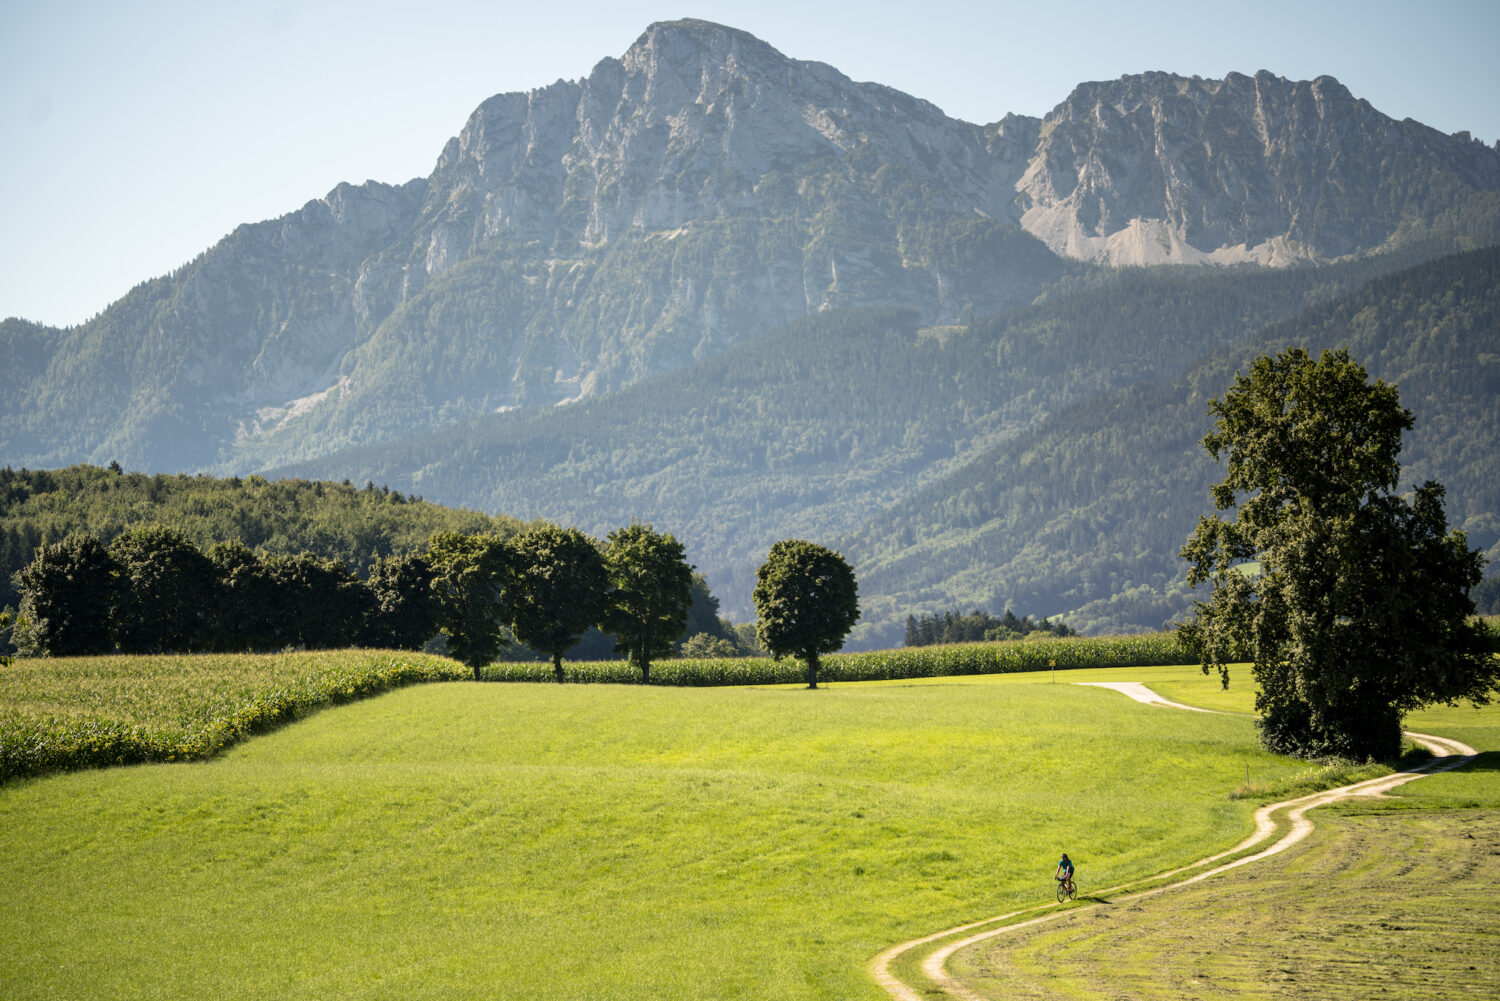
x,y
939,946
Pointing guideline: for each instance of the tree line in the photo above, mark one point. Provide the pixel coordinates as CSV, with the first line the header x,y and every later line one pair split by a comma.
x,y
152,590
977,626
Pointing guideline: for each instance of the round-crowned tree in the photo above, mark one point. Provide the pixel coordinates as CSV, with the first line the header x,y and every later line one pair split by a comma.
x,y
68,592
1351,601
404,612
806,601
470,574
556,589
650,586
166,588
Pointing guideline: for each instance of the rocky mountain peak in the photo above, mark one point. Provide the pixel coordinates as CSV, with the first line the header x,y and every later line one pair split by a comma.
x,y
1157,168
691,194
687,125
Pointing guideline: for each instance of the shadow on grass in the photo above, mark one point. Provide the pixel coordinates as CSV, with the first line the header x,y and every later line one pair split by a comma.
x,y
1487,761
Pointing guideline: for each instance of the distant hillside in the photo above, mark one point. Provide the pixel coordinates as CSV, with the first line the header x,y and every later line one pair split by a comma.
x,y
336,520
1085,513
808,430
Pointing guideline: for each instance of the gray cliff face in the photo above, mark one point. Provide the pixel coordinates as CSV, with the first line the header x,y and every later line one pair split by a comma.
x,y
1159,169
696,192
690,195
691,124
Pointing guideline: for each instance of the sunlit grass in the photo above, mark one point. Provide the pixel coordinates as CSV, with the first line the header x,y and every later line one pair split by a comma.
x,y
537,841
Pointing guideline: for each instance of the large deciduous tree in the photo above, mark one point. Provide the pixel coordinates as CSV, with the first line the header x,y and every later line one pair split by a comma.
x,y
556,589
166,591
806,601
650,586
405,612
1351,601
68,593
242,608
470,575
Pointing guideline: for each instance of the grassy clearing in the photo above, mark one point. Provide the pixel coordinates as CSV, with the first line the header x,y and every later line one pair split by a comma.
x,y
558,842
66,713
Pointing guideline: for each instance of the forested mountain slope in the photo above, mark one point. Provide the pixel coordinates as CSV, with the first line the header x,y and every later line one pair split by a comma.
x,y
1085,512
808,430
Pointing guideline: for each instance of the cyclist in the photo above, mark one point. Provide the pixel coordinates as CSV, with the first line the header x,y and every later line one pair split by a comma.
x,y
1065,872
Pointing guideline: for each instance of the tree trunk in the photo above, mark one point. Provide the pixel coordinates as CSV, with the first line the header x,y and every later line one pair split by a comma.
x,y
645,672
812,671
557,667
476,672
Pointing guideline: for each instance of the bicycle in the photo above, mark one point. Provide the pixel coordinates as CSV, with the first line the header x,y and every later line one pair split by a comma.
x,y
1067,889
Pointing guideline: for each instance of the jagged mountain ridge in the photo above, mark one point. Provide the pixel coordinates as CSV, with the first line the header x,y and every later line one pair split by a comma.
x,y
1244,169
690,196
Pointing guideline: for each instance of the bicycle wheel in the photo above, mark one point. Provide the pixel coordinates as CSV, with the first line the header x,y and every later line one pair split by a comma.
x,y
1072,890
1062,891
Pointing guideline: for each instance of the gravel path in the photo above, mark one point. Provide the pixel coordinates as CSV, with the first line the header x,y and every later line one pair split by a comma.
x,y
1448,754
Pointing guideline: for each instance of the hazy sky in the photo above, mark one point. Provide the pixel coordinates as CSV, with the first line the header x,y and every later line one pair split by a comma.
x,y
134,135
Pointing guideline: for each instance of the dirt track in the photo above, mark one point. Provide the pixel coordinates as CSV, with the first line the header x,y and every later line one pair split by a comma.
x,y
1268,820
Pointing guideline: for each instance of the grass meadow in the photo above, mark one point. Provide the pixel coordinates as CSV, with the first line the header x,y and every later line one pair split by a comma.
x,y
461,840
1390,896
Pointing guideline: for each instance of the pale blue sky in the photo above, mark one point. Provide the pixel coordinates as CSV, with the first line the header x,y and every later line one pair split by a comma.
x,y
134,135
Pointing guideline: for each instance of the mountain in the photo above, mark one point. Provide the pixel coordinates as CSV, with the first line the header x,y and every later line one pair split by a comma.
x,y
778,302
1159,169
688,197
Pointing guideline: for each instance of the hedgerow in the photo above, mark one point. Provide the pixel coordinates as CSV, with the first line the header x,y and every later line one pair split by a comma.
x,y
876,665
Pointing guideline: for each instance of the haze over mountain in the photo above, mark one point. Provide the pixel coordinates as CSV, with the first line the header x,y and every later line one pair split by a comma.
x,y
648,225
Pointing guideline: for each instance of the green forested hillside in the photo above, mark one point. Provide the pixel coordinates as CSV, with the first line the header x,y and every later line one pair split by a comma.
x,y
1085,513
1045,459
810,429
334,520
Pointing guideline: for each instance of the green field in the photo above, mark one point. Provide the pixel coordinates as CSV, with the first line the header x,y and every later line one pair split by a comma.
x,y
1370,906
461,840
77,712
1396,896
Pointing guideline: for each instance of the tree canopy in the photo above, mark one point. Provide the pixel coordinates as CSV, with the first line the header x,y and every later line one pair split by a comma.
x,y
469,573
68,595
650,588
163,580
555,591
1351,602
807,600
